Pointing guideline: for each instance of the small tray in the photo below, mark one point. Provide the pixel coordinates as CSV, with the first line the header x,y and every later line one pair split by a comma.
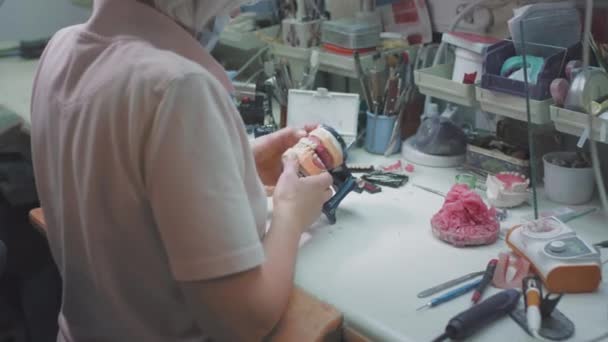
x,y
493,162
351,33
338,110
437,82
574,123
514,106
554,62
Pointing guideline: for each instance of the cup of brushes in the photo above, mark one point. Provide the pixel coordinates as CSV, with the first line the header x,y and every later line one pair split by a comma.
x,y
382,118
386,93
379,130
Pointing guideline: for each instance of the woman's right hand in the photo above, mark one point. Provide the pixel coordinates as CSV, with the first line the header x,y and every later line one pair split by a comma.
x,y
300,200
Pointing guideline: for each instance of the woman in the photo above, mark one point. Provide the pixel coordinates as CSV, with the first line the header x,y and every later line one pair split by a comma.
x,y
151,191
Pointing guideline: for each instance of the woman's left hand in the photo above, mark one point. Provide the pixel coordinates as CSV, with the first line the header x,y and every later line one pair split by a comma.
x,y
268,151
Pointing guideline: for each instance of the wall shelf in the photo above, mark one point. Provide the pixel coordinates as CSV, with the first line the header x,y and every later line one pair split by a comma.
x,y
341,65
437,82
574,123
514,106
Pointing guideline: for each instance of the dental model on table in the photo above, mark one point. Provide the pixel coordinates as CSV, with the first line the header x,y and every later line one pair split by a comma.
x,y
507,189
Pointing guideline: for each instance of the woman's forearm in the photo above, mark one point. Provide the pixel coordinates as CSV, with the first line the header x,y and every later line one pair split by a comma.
x,y
247,305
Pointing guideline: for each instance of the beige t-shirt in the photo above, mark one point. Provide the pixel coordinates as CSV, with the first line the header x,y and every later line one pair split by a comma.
x,y
146,178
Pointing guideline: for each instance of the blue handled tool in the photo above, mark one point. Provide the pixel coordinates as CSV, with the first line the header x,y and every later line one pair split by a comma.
x,y
451,295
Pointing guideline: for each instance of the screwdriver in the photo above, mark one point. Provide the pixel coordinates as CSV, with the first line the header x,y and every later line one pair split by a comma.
x,y
451,295
470,321
485,281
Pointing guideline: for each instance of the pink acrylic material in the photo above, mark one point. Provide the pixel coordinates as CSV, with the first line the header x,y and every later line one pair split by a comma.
x,y
465,220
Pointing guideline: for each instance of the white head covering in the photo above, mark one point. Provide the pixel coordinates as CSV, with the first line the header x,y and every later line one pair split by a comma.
x,y
195,14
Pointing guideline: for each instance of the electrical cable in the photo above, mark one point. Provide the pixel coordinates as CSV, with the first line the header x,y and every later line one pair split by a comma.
x,y
442,46
595,160
257,55
600,338
315,7
497,5
465,11
441,338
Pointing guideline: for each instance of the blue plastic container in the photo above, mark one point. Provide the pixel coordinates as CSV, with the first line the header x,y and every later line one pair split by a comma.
x,y
378,134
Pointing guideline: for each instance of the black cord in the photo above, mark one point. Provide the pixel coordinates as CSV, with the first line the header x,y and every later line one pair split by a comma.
x,y
603,244
442,337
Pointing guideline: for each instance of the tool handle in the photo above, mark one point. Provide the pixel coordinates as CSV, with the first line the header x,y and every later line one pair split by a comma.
x,y
488,275
329,208
455,293
448,284
468,322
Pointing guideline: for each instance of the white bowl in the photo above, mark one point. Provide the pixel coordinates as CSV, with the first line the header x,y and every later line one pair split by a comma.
x,y
567,185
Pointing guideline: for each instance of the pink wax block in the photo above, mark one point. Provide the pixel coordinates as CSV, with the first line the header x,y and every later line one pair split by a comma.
x,y
465,220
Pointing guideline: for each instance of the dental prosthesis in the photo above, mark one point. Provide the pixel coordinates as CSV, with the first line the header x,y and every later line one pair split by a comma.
x,y
507,189
320,151
324,150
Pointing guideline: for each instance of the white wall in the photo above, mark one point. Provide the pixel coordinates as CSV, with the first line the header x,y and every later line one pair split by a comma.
x,y
34,19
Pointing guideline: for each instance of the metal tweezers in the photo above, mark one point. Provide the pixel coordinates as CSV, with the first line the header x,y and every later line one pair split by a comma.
x,y
389,179
448,284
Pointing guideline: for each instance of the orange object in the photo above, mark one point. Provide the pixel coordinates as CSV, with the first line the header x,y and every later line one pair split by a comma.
x,y
578,274
283,118
37,220
533,298
344,51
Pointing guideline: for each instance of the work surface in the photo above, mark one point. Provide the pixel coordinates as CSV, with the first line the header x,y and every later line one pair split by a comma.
x,y
381,253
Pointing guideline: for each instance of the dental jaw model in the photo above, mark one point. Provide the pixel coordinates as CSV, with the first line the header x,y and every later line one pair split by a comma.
x,y
507,189
324,150
320,151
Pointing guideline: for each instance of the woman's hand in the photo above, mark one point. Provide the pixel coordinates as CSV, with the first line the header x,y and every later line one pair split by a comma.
x,y
300,200
269,149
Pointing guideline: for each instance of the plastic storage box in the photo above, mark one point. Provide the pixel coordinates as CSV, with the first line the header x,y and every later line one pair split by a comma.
x,y
574,123
351,33
338,110
555,61
437,82
490,161
514,107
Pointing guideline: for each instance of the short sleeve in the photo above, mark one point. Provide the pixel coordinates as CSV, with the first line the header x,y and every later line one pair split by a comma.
x,y
193,174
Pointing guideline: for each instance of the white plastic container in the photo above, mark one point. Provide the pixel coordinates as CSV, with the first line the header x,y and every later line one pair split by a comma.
x,y
514,107
571,186
437,82
351,33
338,110
467,62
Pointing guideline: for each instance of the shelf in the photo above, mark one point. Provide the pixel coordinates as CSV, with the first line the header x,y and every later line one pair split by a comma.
x,y
574,123
335,64
437,82
514,106
246,41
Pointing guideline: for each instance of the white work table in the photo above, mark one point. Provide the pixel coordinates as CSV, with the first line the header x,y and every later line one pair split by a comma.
x,y
372,263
